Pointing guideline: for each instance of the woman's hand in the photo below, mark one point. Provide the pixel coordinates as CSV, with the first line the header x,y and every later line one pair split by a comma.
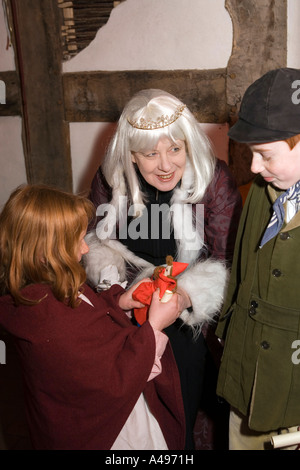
x,y
162,314
184,300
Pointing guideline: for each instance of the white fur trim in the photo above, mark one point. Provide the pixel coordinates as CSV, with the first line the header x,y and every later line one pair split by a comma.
x,y
108,252
205,283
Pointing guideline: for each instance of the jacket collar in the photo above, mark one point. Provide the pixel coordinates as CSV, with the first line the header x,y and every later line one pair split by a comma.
x,y
295,221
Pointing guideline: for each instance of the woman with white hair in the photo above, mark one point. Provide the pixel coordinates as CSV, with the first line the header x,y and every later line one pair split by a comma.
x,y
161,191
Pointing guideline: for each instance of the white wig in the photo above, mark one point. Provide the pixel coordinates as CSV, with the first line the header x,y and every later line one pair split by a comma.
x,y
149,106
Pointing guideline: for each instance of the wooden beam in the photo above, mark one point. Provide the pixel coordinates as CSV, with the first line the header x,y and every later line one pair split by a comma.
x,y
38,51
101,96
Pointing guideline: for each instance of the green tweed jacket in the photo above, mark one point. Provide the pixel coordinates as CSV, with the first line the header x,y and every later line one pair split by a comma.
x,y
260,320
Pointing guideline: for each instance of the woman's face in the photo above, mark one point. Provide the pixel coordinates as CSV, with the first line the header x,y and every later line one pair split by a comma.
x,y
162,166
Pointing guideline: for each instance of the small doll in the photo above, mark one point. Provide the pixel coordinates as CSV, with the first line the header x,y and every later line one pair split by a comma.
x,y
163,278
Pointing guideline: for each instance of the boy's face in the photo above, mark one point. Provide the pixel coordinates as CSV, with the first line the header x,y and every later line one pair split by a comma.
x,y
277,163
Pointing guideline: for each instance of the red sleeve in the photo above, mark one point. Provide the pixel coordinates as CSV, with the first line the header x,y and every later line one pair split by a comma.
x,y
85,368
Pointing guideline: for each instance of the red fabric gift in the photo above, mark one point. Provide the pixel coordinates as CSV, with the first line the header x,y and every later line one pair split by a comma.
x,y
162,279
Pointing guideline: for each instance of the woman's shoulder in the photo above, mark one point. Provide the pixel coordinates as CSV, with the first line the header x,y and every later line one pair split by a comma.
x,y
100,190
222,183
222,171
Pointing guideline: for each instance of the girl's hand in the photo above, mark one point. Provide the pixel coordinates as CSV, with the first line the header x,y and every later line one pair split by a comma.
x,y
126,302
162,314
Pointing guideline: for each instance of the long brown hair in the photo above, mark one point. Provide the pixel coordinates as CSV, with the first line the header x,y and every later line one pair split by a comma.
x,y
40,229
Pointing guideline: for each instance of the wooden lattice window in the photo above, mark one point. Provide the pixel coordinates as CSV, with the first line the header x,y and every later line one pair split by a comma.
x,y
81,20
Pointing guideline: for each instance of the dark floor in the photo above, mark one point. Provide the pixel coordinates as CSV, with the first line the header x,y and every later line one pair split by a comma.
x,y
13,428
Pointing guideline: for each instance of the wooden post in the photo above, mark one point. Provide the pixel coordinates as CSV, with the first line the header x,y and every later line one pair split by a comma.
x,y
45,132
260,45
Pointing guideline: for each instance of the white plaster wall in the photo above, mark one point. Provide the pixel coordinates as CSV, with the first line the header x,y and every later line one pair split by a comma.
x,y
293,29
160,35
12,162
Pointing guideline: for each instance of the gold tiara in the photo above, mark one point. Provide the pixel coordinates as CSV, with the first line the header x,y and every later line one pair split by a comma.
x,y
162,121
